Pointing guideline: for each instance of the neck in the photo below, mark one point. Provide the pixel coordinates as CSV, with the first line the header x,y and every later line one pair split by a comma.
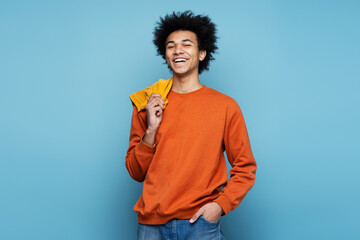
x,y
186,84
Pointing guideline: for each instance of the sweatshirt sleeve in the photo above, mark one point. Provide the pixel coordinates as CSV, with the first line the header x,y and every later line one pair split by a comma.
x,y
139,154
239,154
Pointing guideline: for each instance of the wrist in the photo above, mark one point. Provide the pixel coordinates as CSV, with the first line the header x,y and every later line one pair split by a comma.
x,y
149,137
220,208
151,131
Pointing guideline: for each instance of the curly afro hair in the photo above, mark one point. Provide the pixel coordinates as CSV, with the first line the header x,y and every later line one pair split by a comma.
x,y
202,26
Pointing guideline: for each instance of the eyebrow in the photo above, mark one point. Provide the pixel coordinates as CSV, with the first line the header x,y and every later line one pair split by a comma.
x,y
185,40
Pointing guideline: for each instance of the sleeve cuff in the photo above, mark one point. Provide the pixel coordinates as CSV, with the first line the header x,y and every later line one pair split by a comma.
x,y
224,203
146,148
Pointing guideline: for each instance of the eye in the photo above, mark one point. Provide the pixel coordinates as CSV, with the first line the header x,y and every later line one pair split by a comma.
x,y
170,46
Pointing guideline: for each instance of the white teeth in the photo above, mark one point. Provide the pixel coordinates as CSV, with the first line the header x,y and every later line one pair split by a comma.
x,y
180,60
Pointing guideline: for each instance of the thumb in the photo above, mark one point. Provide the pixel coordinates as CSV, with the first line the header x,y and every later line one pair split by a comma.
x,y
196,216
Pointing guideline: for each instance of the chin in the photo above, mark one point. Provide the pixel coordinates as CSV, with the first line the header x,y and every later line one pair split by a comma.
x,y
179,71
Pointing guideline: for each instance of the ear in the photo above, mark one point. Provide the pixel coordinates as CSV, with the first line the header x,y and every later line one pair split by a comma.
x,y
202,55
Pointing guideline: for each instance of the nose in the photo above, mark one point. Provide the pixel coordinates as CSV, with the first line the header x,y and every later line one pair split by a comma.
x,y
178,50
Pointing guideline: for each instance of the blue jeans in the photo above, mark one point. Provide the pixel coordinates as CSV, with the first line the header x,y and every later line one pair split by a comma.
x,y
181,229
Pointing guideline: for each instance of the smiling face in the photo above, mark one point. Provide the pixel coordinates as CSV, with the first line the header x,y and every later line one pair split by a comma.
x,y
182,53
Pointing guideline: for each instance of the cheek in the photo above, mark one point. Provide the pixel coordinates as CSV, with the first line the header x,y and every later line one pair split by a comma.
x,y
167,59
195,54
167,56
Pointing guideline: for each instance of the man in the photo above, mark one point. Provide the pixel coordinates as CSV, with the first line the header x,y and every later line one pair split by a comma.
x,y
177,150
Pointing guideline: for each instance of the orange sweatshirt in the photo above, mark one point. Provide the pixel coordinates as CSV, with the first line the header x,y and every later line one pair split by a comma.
x,y
186,167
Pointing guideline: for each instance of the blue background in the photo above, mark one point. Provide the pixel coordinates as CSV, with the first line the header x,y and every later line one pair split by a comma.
x,y
68,67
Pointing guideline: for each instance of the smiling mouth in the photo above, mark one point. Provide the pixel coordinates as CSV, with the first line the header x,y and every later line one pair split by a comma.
x,y
180,60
